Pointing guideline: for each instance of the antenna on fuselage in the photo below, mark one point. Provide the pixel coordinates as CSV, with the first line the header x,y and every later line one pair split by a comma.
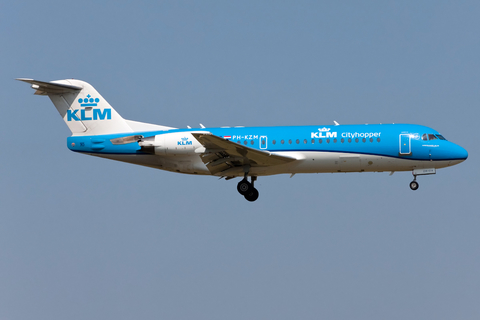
x,y
202,126
189,127
336,123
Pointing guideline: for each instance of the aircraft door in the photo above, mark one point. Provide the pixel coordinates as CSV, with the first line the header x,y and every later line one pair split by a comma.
x,y
263,142
405,144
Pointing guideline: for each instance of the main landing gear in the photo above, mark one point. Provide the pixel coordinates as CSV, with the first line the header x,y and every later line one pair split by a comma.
x,y
247,189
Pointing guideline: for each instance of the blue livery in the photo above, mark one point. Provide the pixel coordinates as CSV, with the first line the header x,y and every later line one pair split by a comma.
x,y
246,152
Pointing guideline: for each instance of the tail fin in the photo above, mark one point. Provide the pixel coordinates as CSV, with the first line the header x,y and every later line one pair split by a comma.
x,y
82,108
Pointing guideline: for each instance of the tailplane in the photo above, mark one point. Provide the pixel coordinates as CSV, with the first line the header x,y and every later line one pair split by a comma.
x,y
82,108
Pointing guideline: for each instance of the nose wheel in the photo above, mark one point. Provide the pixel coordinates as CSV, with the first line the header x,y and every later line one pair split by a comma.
x,y
414,184
246,189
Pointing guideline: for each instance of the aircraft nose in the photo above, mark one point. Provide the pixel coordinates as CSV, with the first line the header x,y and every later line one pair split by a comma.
x,y
459,153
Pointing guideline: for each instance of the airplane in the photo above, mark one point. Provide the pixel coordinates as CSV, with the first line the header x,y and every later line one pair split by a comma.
x,y
231,152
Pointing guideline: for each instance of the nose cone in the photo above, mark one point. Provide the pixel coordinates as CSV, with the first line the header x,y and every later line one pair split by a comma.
x,y
458,154
461,153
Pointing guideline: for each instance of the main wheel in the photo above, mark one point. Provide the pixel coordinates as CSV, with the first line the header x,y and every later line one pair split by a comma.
x,y
244,186
414,185
252,195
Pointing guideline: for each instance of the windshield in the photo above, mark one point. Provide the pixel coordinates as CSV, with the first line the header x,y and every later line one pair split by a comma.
x,y
431,136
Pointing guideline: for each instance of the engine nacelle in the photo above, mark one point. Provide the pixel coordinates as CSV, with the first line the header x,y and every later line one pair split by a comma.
x,y
172,144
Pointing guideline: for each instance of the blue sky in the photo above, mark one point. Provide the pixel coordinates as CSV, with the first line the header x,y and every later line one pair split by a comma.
x,y
83,237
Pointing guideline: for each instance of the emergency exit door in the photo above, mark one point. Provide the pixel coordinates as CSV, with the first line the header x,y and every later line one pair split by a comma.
x,y
263,142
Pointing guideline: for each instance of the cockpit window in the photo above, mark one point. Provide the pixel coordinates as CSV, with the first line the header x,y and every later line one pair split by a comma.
x,y
430,136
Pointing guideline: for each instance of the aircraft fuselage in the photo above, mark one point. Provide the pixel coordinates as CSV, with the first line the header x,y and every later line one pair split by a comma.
x,y
317,149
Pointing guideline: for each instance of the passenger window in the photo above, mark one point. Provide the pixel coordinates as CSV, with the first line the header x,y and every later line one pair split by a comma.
x,y
274,142
297,141
424,137
290,141
305,141
282,142
432,137
313,141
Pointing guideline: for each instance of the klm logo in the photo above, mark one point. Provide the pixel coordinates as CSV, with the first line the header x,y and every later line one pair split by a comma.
x,y
89,113
86,115
184,142
323,133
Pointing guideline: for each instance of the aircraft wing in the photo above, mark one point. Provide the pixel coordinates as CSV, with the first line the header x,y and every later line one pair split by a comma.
x,y
221,155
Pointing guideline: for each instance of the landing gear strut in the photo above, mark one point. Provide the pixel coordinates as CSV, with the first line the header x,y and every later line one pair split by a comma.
x,y
247,189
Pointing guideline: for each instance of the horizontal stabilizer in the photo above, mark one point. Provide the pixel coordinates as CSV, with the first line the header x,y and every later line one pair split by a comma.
x,y
44,88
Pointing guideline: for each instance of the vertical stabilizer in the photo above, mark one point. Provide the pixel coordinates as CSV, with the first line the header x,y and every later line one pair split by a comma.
x,y
82,108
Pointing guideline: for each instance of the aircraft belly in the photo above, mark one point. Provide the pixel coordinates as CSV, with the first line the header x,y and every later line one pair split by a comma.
x,y
308,162
189,165
327,162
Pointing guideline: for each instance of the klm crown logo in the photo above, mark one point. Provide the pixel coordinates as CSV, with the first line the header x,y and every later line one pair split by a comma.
x,y
88,101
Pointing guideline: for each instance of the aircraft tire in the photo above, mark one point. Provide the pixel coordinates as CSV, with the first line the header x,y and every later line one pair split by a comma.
x,y
243,187
252,195
414,185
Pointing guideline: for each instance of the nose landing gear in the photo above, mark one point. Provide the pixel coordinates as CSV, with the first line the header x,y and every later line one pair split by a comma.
x,y
420,172
247,189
